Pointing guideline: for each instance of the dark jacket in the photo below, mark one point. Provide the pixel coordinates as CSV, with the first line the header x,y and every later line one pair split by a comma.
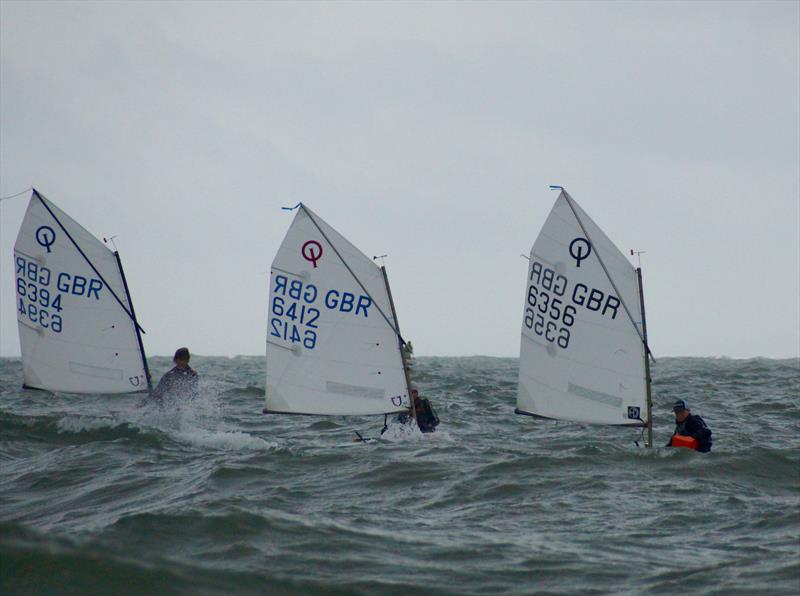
x,y
694,426
427,420
179,382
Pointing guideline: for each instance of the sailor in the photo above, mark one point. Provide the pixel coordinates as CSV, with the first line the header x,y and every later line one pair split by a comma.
x,y
427,420
690,430
181,381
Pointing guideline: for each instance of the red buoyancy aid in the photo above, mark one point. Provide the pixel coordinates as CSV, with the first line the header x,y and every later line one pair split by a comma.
x,y
684,441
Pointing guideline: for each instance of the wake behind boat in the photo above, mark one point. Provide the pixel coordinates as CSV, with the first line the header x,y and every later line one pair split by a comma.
x,y
77,327
583,351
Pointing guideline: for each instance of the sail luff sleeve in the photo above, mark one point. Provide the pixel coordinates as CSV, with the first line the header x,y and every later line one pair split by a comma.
x,y
648,379
401,347
136,326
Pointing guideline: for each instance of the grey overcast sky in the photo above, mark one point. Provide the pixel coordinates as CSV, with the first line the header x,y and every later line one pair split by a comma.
x,y
428,131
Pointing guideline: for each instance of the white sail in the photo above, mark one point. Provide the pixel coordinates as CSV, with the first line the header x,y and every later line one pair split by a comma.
x,y
582,357
332,345
76,328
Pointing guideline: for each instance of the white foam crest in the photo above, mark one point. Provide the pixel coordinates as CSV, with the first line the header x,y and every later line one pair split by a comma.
x,y
195,421
77,424
440,436
178,413
235,441
402,432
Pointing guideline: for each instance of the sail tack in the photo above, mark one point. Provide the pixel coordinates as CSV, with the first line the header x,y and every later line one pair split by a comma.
x,y
76,325
332,344
582,356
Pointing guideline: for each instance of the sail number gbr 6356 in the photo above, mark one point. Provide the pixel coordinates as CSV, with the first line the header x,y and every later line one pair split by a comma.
x,y
553,301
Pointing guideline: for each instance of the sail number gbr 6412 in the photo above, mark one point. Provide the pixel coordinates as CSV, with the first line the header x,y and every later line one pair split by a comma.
x,y
553,301
295,309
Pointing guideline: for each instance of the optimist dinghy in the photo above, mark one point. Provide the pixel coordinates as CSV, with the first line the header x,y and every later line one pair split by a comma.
x,y
584,355
333,341
77,328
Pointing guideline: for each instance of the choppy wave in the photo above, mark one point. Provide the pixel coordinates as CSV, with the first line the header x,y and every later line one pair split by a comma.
x,y
101,495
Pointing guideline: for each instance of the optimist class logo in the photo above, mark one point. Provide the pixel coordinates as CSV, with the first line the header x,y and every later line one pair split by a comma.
x,y
312,252
46,237
579,249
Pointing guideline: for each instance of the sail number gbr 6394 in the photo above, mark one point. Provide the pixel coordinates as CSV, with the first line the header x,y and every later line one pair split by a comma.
x,y
553,301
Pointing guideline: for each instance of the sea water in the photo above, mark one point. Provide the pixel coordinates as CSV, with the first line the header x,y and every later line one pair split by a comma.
x,y
100,496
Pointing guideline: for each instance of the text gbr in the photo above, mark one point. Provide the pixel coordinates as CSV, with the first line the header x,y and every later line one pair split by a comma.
x,y
294,309
551,306
39,302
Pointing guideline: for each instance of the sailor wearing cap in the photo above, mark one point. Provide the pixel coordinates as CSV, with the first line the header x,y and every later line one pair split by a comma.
x,y
690,430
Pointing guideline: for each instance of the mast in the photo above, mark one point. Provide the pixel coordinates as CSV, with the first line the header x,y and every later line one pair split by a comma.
x,y
135,324
646,362
401,346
